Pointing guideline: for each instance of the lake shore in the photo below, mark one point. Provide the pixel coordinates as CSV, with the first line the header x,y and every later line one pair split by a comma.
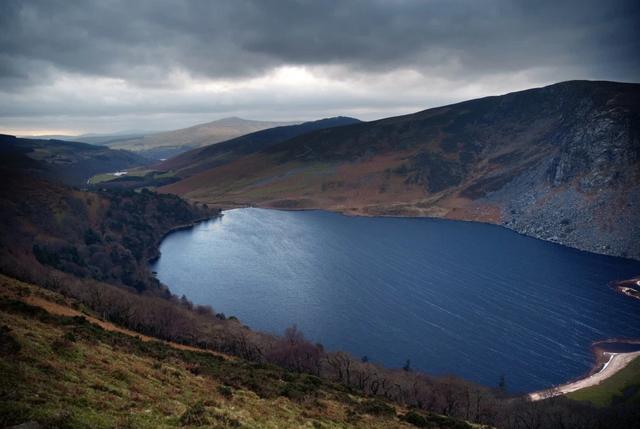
x,y
630,288
608,363
425,214
154,253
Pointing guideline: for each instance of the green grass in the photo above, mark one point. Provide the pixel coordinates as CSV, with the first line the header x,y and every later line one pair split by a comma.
x,y
100,178
150,175
624,386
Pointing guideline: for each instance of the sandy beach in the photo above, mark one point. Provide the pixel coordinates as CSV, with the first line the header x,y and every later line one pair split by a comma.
x,y
614,362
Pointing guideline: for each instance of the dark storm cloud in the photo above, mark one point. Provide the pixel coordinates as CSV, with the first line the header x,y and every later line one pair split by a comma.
x,y
147,57
143,40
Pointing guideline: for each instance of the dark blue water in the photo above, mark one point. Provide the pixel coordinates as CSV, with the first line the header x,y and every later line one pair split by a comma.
x,y
470,299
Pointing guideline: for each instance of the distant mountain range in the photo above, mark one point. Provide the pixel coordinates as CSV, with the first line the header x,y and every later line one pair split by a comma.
x,y
560,163
169,143
93,138
165,144
72,163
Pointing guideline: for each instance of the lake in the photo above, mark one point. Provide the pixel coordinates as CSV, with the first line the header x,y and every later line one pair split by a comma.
x,y
475,300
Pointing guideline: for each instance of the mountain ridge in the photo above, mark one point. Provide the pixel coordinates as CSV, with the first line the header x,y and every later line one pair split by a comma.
x,y
170,143
221,153
543,162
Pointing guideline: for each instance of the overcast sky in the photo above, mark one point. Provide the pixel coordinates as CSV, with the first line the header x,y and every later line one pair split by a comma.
x,y
72,67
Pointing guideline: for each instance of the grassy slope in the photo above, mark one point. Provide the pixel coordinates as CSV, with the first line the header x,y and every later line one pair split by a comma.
x,y
140,177
623,386
67,372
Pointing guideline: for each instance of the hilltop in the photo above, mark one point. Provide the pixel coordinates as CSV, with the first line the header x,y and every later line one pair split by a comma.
x,y
169,143
205,158
561,163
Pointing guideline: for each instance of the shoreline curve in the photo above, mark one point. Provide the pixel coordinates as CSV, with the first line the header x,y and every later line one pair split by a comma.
x,y
607,364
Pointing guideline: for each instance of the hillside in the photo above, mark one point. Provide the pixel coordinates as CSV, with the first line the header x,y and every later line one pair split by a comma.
x,y
105,236
170,143
561,163
60,369
197,160
72,163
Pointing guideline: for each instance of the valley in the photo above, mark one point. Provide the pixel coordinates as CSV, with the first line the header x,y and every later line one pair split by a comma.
x,y
319,214
87,252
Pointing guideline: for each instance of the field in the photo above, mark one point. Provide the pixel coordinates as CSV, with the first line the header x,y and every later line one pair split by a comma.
x,y
139,177
624,386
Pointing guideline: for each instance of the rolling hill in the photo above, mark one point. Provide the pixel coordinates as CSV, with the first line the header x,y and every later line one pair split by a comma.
x,y
72,163
170,143
561,163
197,160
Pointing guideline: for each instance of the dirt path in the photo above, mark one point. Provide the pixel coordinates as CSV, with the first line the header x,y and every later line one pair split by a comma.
x,y
62,310
616,362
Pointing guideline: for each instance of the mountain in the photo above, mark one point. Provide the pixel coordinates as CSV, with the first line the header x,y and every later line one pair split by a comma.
x,y
169,143
561,163
197,160
72,163
93,138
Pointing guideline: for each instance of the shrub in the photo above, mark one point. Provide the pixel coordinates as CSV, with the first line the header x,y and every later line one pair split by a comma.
x,y
8,344
434,421
195,415
415,419
376,407
225,391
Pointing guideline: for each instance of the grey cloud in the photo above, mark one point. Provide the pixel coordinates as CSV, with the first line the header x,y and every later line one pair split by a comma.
x,y
235,38
145,42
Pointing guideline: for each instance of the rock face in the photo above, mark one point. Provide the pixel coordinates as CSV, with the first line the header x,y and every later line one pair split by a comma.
x,y
586,193
561,163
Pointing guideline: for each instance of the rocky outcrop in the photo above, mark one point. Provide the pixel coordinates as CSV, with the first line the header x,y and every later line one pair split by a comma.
x,y
585,194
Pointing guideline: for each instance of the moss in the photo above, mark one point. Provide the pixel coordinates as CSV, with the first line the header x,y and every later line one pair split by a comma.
x,y
9,346
20,307
430,420
375,407
195,415
225,391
